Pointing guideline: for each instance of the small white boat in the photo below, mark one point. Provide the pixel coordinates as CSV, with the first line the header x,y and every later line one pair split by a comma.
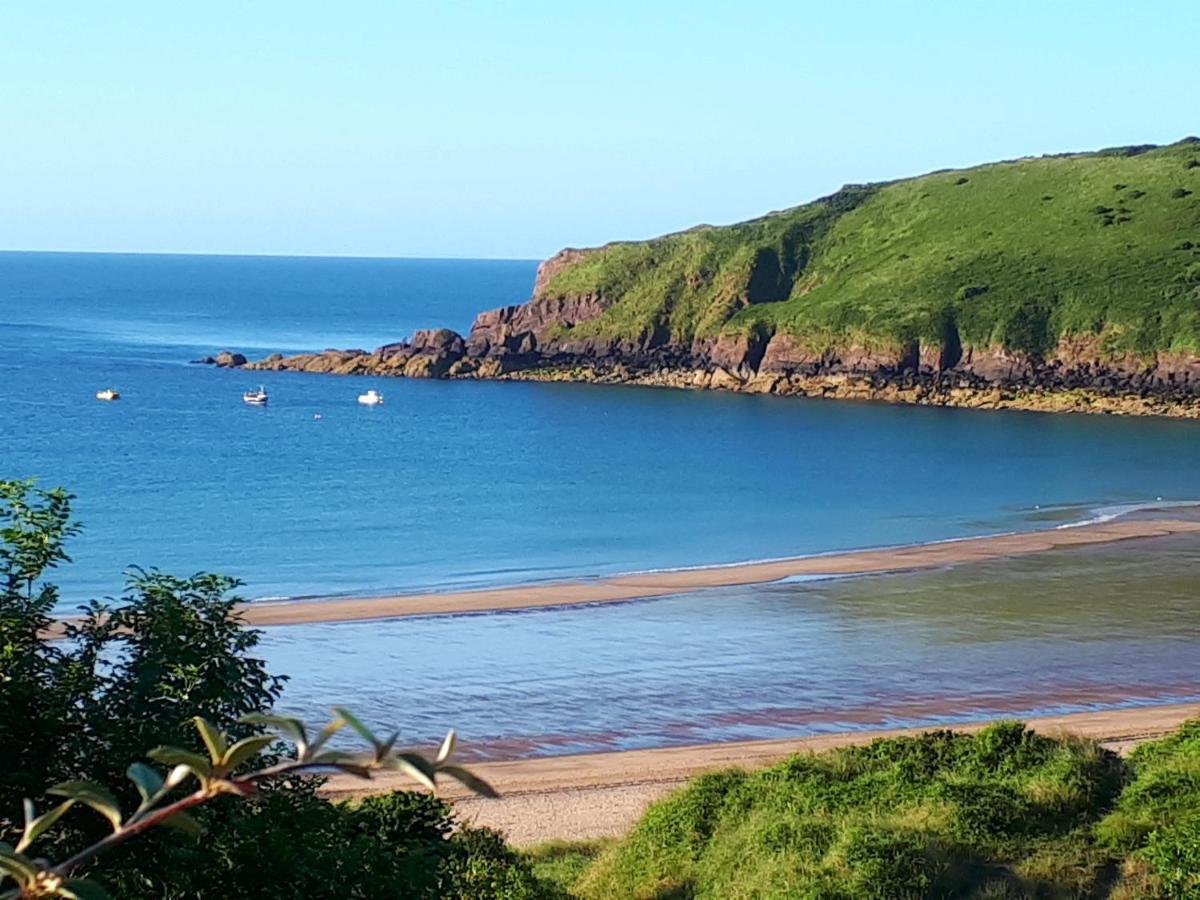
x,y
370,398
256,398
108,394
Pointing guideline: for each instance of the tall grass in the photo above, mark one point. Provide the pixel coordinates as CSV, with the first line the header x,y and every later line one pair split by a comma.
x,y
1004,813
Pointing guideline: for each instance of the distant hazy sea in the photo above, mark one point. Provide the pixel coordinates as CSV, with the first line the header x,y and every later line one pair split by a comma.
x,y
455,484
459,484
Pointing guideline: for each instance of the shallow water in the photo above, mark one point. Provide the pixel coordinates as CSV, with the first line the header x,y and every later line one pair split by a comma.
x,y
1055,632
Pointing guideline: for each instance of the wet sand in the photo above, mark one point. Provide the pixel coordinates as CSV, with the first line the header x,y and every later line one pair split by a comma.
x,y
656,584
602,794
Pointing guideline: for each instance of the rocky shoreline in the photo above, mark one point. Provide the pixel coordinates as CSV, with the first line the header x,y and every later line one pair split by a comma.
x,y
550,338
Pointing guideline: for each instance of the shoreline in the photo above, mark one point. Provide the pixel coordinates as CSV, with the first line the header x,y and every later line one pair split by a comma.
x,y
646,585
596,795
862,388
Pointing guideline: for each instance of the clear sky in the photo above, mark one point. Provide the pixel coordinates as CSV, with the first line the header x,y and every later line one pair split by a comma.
x,y
446,128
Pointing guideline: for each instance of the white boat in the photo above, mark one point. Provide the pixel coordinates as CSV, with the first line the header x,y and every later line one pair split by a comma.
x,y
256,398
108,394
371,398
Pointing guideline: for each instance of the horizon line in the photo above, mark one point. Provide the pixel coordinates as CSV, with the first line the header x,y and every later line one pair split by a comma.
x,y
241,255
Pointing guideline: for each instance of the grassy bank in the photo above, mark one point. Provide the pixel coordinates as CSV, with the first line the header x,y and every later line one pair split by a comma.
x,y
1016,254
1004,813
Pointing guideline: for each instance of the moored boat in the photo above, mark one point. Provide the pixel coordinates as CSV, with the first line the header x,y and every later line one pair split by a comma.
x,y
256,398
108,394
371,398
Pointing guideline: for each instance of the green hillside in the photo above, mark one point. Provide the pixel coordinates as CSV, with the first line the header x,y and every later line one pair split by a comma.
x,y
1012,254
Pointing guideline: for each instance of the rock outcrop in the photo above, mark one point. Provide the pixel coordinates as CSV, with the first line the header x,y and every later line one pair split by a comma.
x,y
535,341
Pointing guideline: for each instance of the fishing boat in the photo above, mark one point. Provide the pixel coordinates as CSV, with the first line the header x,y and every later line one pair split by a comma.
x,y
256,398
370,398
108,394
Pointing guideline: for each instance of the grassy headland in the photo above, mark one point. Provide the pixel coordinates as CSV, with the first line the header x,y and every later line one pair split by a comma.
x,y
1062,283
1014,254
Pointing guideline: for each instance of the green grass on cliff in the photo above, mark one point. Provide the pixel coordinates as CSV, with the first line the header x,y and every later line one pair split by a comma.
x,y
1002,814
1013,254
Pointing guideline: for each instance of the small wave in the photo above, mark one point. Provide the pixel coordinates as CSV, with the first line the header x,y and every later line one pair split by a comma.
x,y
1102,514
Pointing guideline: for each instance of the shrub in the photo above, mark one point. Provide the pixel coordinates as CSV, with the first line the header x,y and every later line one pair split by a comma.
x,y
481,866
1174,852
1180,193
133,674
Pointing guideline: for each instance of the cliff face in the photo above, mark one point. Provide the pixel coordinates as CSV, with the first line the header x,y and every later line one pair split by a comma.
x,y
1067,280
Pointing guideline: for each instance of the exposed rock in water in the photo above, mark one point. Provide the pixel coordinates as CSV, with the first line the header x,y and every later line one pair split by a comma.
x,y
225,360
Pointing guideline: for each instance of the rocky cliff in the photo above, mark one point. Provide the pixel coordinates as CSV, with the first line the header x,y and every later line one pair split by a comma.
x,y
1004,285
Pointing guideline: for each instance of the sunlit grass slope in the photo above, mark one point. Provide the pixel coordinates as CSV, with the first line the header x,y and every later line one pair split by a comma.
x,y
1013,254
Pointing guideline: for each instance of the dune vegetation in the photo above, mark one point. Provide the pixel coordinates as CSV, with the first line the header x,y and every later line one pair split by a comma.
x,y
1006,813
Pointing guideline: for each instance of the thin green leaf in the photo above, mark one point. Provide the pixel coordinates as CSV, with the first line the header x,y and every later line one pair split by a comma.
x,y
447,747
386,747
351,763
213,739
293,728
327,732
358,726
178,776
244,750
414,766
94,795
355,769
174,756
148,782
36,826
17,865
469,780
184,822
82,889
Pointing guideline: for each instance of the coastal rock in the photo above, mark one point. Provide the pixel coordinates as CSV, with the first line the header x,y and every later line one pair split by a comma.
x,y
995,365
228,360
740,353
723,380
437,342
563,259
785,354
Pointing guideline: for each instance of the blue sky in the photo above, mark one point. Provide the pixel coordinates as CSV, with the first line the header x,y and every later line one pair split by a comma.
x,y
512,129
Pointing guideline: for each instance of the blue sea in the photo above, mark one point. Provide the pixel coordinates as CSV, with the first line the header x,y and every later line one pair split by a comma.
x,y
462,484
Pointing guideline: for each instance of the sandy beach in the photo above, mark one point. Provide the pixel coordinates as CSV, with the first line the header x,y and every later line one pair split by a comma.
x,y
602,794
656,584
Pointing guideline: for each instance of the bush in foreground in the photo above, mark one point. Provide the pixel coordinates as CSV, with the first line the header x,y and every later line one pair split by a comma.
x,y
133,674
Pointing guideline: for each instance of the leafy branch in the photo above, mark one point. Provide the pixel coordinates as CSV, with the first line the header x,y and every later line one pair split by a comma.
x,y
214,776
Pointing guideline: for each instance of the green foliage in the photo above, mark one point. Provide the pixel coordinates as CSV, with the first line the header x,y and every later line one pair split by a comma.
x,y
481,865
169,666
1003,813
884,265
1174,852
562,863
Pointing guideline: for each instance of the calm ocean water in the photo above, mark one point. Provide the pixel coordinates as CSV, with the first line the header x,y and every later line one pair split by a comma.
x,y
460,484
